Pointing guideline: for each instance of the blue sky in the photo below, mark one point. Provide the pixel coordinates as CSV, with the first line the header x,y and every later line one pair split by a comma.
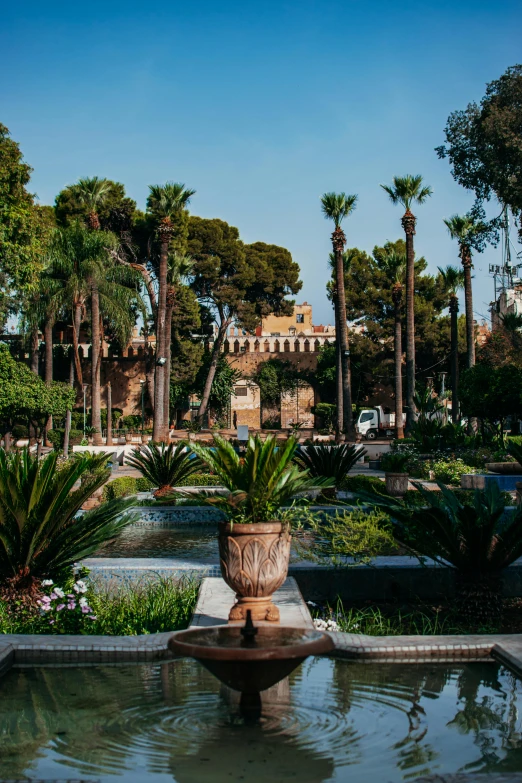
x,y
261,107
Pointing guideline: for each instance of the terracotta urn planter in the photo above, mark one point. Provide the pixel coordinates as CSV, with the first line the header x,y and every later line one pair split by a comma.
x,y
254,563
144,438
396,484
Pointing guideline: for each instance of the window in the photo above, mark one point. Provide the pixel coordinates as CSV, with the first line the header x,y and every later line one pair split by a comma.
x,y
275,334
299,319
368,416
241,391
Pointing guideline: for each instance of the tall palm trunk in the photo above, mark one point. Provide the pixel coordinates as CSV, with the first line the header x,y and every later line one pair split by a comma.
x,y
397,350
109,414
77,319
468,298
48,338
35,349
212,368
408,224
95,366
338,243
454,309
338,376
168,354
159,432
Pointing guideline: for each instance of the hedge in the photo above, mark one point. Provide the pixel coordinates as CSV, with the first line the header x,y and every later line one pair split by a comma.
x,y
56,438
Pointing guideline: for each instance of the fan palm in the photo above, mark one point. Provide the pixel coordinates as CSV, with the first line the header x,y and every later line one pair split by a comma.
x,y
164,202
407,191
453,280
477,540
40,535
164,466
92,192
463,228
394,264
326,461
260,481
337,207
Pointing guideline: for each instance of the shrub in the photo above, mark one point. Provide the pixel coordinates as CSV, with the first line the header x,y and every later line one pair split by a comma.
x,y
395,462
19,431
119,488
165,466
143,484
346,538
201,480
39,534
56,438
478,540
328,461
271,424
362,484
450,471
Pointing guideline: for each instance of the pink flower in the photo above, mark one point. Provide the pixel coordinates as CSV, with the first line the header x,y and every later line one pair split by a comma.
x,y
45,600
53,596
60,607
71,605
92,617
51,622
86,609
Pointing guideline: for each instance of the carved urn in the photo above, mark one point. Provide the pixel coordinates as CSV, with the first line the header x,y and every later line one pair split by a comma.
x,y
396,484
254,563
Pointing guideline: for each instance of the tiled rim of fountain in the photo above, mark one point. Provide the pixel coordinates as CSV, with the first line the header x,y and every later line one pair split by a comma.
x,y
213,602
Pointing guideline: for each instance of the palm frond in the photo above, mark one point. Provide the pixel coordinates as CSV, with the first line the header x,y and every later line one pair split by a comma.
x,y
327,461
165,465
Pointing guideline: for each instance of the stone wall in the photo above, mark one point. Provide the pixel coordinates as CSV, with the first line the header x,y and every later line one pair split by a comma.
x,y
296,406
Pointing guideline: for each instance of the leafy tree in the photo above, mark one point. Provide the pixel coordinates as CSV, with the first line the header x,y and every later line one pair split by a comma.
x,y
483,142
453,280
187,352
163,203
225,377
237,283
275,377
337,207
492,393
25,396
407,191
24,228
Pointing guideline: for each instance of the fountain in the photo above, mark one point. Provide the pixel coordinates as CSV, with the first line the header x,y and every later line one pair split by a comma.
x,y
250,659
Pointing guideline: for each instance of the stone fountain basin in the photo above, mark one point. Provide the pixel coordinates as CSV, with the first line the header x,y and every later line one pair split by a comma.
x,y
505,468
250,668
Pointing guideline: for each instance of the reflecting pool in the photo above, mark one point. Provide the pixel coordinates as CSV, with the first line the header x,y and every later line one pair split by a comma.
x,y
330,721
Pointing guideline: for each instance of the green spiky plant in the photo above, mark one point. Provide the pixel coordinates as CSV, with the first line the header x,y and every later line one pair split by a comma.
x,y
40,535
477,540
165,466
259,482
327,461
515,449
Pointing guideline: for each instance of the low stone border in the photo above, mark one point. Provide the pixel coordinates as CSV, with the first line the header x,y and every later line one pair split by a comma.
x,y
73,650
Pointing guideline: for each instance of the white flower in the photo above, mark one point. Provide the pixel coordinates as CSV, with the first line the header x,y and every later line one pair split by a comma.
x,y
83,601
47,582
326,625
59,592
80,587
311,603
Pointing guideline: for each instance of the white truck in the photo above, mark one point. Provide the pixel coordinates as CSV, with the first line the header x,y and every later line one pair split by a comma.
x,y
374,423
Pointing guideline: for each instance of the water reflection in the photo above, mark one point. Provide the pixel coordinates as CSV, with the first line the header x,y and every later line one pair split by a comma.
x,y
332,720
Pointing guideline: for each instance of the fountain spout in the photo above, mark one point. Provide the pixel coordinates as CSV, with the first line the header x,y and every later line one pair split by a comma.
x,y
248,631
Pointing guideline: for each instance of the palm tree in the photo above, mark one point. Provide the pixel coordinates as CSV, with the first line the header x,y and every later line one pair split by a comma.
x,y
453,281
463,228
164,202
347,259
179,269
407,191
93,193
394,264
78,260
336,207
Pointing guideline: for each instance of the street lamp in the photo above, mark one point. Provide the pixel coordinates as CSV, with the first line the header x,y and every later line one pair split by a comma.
x,y
142,384
84,389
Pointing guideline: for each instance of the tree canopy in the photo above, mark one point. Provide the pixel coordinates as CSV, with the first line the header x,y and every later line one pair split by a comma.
x,y
484,142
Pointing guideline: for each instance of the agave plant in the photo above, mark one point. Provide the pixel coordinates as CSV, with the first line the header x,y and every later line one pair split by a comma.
x,y
328,461
260,481
164,466
40,535
477,540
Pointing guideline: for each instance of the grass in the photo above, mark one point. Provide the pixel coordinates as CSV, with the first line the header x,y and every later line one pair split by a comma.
x,y
392,621
126,609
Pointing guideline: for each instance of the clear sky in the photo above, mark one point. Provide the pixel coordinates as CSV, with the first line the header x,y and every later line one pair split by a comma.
x,y
259,106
